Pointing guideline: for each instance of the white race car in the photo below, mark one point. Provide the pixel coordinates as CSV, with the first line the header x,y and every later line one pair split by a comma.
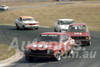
x,y
3,7
62,25
26,22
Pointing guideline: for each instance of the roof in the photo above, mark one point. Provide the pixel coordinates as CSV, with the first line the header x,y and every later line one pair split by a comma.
x,y
24,17
78,24
53,33
66,19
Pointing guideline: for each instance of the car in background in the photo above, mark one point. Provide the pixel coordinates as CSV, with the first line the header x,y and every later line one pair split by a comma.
x,y
52,45
24,22
3,7
80,33
62,25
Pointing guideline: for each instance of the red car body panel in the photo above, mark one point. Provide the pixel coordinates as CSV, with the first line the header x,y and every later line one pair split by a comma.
x,y
81,35
54,46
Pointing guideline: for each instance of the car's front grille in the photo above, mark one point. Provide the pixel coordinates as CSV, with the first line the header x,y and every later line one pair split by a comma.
x,y
32,24
42,52
39,51
78,37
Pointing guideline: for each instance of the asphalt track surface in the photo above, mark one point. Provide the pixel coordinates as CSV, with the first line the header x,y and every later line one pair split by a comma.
x,y
8,33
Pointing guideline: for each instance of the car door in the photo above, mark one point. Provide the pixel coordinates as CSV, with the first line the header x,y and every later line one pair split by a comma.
x,y
19,21
66,42
57,25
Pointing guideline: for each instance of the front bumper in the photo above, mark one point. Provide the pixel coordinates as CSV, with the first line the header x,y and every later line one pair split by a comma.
x,y
32,26
41,53
82,42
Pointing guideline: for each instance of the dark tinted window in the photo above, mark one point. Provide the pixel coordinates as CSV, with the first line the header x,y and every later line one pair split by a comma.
x,y
49,38
77,28
66,22
65,38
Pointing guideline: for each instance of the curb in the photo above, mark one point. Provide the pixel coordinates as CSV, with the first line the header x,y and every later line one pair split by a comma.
x,y
19,55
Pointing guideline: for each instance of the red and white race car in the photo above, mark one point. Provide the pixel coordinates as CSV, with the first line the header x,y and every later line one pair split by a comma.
x,y
52,45
80,33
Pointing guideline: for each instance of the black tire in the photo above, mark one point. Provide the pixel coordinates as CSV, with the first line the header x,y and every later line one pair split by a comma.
x,y
89,43
37,28
28,58
55,30
70,53
58,56
23,27
17,26
59,30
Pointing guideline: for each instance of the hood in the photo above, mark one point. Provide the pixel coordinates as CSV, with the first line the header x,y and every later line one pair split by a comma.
x,y
42,45
78,33
64,26
28,22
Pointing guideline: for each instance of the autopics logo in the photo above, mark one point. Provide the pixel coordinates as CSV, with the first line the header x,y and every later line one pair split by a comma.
x,y
78,52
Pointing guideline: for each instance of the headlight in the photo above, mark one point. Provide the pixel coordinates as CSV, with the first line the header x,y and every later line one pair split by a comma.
x,y
87,38
34,46
45,46
39,45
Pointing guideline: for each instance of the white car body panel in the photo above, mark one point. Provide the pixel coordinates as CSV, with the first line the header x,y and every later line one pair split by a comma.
x,y
27,23
61,28
4,7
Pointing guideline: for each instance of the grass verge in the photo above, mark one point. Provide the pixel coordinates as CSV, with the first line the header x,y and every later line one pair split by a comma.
x,y
4,53
14,4
47,16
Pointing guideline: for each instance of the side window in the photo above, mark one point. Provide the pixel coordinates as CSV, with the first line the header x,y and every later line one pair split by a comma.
x,y
58,22
20,19
65,38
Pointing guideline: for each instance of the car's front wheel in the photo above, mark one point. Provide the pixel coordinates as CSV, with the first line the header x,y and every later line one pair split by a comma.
x,y
71,52
55,30
17,26
28,58
37,28
58,56
23,27
89,43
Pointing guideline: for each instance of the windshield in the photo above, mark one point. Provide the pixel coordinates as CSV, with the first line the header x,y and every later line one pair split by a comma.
x,y
77,28
28,19
66,22
49,38
2,6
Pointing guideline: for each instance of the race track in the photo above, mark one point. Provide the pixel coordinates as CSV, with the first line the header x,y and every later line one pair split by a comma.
x,y
8,33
